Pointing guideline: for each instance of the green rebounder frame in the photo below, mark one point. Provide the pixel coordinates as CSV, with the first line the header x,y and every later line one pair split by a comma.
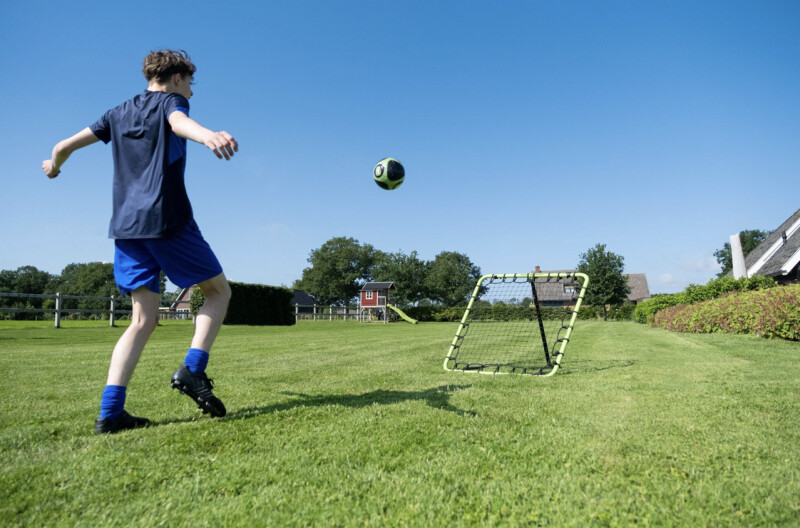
x,y
517,324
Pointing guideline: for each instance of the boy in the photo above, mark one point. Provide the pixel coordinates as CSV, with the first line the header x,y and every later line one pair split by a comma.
x,y
154,229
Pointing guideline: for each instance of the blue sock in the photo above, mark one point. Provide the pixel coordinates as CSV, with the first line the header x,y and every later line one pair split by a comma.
x,y
196,360
113,401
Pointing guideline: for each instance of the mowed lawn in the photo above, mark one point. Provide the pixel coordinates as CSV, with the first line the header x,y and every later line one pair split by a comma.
x,y
346,424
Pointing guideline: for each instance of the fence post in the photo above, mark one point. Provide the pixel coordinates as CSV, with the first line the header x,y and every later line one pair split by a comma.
x,y
111,311
330,314
296,312
315,311
58,310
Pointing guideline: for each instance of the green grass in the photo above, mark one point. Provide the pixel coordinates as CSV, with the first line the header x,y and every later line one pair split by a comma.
x,y
342,424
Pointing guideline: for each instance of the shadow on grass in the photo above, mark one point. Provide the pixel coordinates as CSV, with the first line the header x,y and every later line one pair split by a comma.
x,y
590,365
437,397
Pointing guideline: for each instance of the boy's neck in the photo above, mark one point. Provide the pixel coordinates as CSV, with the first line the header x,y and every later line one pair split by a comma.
x,y
176,84
155,86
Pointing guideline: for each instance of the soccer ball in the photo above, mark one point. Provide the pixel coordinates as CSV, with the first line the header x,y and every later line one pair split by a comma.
x,y
389,174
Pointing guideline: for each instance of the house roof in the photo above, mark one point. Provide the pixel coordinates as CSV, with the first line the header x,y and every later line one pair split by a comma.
x,y
375,286
640,291
182,300
779,253
302,298
554,290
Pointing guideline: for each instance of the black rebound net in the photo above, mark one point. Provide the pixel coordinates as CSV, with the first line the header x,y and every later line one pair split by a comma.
x,y
517,323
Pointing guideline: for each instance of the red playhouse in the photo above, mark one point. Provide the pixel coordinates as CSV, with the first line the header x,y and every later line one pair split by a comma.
x,y
373,299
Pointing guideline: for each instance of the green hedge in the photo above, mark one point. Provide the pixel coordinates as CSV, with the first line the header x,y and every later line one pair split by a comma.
x,y
645,311
514,313
253,304
774,312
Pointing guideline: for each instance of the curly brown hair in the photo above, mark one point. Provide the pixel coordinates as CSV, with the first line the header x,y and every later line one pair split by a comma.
x,y
161,64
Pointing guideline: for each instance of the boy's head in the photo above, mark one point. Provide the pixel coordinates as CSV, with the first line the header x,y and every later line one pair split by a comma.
x,y
163,64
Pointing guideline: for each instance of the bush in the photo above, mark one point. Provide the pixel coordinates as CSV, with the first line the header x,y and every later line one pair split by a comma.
x,y
506,312
252,304
645,311
774,312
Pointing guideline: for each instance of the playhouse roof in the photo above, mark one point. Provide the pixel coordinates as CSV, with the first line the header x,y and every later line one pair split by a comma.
x,y
376,286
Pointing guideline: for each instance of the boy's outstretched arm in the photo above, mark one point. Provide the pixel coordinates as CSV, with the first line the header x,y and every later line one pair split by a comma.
x,y
221,143
63,149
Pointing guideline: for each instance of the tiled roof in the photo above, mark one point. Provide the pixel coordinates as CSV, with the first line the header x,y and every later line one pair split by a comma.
x,y
302,298
782,250
554,290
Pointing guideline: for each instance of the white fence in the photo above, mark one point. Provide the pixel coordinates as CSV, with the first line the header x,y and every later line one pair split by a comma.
x,y
319,312
313,312
112,311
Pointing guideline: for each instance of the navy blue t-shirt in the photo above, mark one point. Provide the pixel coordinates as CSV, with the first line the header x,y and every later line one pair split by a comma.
x,y
150,199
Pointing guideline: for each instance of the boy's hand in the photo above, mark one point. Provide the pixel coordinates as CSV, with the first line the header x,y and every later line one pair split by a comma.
x,y
49,168
221,144
65,148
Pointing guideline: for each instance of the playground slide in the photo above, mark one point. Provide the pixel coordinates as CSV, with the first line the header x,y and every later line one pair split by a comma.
x,y
402,314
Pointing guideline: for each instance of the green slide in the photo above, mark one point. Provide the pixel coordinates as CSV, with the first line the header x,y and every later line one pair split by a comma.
x,y
402,314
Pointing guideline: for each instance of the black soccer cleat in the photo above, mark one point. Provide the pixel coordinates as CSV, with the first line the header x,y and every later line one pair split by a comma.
x,y
198,387
120,423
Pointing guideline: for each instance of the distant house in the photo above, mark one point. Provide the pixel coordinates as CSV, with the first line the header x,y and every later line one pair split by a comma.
x,y
552,293
778,256
303,302
179,309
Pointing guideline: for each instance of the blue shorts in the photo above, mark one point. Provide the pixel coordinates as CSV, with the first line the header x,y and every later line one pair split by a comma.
x,y
186,259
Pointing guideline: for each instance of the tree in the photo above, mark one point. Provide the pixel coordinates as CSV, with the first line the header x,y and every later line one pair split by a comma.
x,y
338,270
750,238
25,279
406,271
607,284
451,278
29,279
94,279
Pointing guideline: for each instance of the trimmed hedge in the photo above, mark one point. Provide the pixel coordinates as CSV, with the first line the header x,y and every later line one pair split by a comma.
x,y
253,304
645,311
507,312
774,312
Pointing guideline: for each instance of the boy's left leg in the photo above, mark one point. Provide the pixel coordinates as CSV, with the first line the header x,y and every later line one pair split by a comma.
x,y
187,259
126,355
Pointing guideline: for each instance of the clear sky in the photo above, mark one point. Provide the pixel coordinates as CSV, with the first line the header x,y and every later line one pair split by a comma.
x,y
530,131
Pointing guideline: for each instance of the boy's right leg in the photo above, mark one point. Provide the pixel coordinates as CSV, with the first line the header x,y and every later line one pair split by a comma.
x,y
191,378
209,318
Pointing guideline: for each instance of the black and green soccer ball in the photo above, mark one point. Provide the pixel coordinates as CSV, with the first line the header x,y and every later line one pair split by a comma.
x,y
389,174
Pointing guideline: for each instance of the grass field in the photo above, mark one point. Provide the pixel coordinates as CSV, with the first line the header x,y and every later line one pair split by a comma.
x,y
341,424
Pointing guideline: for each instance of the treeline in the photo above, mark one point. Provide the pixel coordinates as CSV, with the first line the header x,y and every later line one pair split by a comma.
x,y
341,266
94,279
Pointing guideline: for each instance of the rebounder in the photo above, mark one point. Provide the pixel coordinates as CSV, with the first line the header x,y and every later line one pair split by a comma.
x,y
518,323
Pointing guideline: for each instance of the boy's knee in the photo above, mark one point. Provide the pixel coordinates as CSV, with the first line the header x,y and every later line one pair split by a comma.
x,y
217,289
145,324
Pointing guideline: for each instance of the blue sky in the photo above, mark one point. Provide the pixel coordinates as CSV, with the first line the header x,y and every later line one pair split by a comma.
x,y
530,131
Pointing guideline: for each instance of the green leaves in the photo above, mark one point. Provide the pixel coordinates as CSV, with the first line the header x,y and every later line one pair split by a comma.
x,y
338,270
750,238
607,284
342,265
767,313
